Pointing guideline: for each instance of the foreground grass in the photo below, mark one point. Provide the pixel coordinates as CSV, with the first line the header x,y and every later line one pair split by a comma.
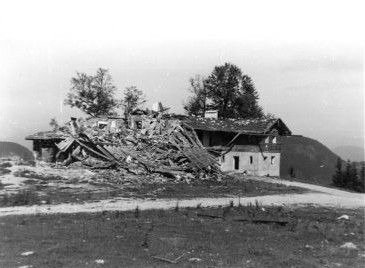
x,y
219,237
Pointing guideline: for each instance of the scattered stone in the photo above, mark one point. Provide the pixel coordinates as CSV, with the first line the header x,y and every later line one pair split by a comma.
x,y
344,217
27,253
349,245
100,261
195,260
309,247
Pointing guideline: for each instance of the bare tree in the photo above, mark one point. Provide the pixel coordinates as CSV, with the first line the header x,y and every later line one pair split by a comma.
x,y
197,102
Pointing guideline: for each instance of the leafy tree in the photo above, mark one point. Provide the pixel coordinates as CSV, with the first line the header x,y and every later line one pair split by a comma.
x,y
197,103
133,99
229,91
93,95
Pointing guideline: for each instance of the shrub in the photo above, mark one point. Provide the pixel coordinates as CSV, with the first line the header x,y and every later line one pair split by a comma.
x,y
291,172
136,212
177,207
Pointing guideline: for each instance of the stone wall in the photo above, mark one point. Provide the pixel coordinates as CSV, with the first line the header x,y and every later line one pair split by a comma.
x,y
252,163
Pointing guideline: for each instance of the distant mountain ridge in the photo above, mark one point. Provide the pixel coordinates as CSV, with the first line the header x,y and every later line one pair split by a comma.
x,y
312,161
8,149
354,153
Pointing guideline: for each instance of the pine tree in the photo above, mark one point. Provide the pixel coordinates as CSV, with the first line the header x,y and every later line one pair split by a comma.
x,y
338,178
362,179
352,177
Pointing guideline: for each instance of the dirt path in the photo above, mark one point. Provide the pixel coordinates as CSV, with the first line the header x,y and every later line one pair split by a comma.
x,y
322,197
312,187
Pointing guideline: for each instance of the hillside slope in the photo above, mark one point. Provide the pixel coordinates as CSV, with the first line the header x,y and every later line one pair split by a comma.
x,y
312,161
353,153
8,149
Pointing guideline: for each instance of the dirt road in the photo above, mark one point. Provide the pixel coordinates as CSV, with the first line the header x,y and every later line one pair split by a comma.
x,y
322,197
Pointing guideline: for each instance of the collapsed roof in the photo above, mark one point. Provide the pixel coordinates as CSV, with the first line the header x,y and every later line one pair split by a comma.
x,y
243,126
248,126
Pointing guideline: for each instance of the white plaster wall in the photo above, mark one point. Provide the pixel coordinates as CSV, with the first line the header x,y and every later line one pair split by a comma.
x,y
259,167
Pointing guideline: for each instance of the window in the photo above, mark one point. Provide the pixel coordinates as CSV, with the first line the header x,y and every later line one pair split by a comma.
x,y
251,159
210,139
272,160
138,124
267,139
236,160
102,124
274,140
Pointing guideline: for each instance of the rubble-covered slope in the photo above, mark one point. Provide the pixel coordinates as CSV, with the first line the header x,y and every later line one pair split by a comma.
x,y
162,147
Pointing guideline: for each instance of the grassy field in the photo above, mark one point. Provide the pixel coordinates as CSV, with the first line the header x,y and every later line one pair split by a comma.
x,y
211,237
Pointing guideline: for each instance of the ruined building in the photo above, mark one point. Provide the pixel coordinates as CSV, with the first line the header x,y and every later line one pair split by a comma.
x,y
247,146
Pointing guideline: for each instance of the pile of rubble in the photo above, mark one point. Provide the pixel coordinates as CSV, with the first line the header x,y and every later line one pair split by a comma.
x,y
167,148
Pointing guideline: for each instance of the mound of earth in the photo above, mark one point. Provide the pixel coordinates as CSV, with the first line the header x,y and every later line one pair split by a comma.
x,y
11,149
311,161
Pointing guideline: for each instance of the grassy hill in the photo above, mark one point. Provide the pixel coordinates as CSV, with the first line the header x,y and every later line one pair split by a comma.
x,y
312,161
8,149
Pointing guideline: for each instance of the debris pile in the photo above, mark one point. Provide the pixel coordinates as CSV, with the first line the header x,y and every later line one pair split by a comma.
x,y
167,148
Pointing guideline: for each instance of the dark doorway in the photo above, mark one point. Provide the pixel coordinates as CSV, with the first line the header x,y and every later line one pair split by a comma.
x,y
236,162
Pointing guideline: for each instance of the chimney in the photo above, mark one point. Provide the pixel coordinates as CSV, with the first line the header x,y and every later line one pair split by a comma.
x,y
211,114
74,126
157,107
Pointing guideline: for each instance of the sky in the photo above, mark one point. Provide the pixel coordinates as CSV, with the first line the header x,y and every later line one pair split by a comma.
x,y
305,57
